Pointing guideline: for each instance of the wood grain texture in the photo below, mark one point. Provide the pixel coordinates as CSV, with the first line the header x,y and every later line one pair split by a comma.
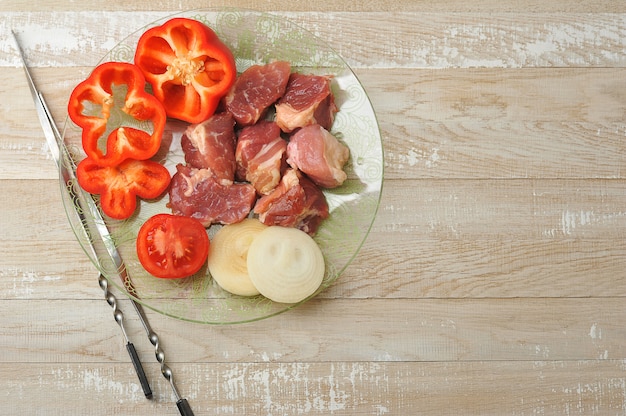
x,y
343,388
410,39
589,6
405,330
493,280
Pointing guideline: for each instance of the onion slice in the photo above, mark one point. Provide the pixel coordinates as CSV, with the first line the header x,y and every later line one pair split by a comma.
x,y
285,264
228,256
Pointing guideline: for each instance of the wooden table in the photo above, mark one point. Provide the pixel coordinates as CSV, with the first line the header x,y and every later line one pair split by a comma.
x,y
493,281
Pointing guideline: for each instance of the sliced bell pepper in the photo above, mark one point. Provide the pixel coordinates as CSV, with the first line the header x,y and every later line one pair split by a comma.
x,y
114,95
128,143
189,67
119,186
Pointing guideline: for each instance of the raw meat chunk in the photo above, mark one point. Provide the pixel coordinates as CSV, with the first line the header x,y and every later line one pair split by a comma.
x,y
261,156
197,193
211,145
316,152
307,100
256,89
295,202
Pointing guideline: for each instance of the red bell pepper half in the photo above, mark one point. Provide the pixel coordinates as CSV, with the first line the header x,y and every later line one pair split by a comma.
x,y
116,91
119,186
188,66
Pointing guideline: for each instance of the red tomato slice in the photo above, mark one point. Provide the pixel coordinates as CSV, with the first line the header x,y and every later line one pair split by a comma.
x,y
172,246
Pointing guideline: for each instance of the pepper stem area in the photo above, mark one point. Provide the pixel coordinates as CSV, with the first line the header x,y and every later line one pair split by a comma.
x,y
185,69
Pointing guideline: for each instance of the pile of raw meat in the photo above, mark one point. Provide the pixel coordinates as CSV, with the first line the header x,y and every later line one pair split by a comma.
x,y
239,161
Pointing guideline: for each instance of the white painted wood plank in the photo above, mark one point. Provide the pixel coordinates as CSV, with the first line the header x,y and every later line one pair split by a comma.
x,y
410,39
372,330
543,387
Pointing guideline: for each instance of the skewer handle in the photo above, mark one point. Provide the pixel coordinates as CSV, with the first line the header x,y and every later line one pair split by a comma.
x,y
119,318
184,408
134,357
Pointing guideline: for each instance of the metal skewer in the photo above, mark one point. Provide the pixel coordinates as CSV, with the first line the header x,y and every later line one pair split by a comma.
x,y
119,318
181,403
87,204
53,137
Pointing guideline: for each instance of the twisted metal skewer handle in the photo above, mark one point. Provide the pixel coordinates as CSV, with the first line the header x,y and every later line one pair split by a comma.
x,y
132,352
181,403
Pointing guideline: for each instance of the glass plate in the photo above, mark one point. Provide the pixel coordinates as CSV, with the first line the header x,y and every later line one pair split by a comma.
x,y
254,38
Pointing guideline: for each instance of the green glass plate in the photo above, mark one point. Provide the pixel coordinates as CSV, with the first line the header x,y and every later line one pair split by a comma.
x,y
254,38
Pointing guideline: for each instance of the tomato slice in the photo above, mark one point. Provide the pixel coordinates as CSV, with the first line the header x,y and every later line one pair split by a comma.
x,y
172,246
